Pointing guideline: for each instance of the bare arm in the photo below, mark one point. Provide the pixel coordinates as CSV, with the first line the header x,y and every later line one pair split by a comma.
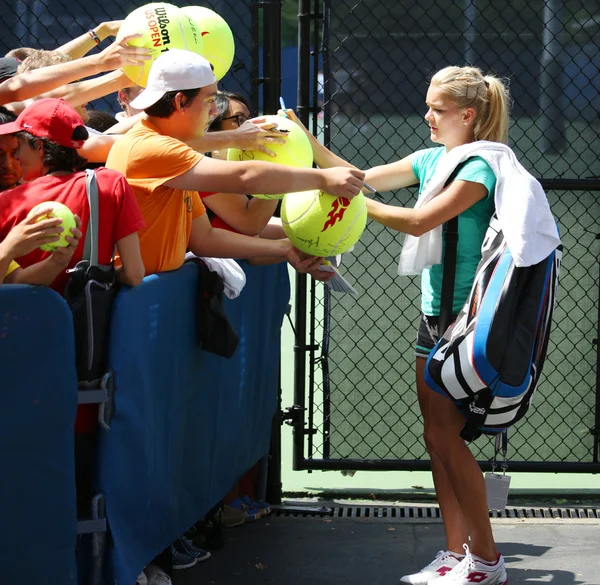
x,y
251,135
125,125
84,43
255,134
323,157
26,237
132,266
39,81
5,260
81,92
273,230
392,176
91,89
208,241
96,148
452,201
263,177
247,216
46,271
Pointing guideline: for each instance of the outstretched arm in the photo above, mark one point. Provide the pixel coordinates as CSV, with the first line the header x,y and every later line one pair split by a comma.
x,y
40,81
84,43
262,177
82,92
247,216
323,157
452,201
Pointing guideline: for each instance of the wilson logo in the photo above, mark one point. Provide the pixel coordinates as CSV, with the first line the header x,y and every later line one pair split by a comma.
x,y
337,212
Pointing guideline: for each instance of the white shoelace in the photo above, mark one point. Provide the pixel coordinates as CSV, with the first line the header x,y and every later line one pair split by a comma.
x,y
439,559
465,566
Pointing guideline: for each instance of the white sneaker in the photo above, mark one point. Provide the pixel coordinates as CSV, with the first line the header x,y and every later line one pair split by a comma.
x,y
443,563
141,579
471,570
156,576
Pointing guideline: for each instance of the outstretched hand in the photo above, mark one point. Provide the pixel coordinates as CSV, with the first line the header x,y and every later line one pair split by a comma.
x,y
291,115
108,29
342,181
305,264
119,54
257,134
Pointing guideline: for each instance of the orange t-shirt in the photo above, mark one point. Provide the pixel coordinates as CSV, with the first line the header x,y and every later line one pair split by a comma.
x,y
148,160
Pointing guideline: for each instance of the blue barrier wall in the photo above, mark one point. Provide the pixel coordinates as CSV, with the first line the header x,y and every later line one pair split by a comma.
x,y
187,424
38,402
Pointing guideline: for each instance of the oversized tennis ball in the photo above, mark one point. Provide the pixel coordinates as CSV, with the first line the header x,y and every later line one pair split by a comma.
x,y
321,224
219,46
55,209
163,27
296,152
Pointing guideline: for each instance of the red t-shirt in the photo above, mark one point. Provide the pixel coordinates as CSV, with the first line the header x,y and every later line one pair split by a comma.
x,y
216,221
118,215
118,212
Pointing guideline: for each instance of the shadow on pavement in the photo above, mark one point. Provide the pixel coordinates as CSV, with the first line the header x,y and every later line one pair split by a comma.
x,y
317,551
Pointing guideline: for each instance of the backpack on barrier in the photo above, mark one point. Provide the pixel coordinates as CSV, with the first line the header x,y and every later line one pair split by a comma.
x,y
490,359
90,293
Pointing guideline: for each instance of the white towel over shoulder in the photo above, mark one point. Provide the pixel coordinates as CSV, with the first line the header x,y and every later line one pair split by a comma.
x,y
521,205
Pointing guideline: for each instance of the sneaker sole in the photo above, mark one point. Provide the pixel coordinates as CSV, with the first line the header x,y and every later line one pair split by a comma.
x,y
236,523
186,566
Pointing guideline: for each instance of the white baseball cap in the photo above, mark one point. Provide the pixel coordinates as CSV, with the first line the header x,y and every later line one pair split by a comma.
x,y
174,70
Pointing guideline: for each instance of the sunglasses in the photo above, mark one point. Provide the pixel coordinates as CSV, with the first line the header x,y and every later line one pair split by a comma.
x,y
239,118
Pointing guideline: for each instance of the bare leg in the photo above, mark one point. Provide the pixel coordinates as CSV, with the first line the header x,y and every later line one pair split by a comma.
x,y
455,525
459,483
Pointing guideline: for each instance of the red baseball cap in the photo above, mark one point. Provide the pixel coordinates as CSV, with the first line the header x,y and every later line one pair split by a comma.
x,y
49,118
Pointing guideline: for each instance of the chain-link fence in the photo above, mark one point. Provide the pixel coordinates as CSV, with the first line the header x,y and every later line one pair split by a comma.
x,y
377,60
48,24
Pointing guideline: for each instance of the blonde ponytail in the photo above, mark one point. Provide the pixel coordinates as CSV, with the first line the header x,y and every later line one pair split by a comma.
x,y
488,96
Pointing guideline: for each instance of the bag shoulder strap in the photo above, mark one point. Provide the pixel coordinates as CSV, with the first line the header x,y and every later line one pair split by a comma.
x,y
90,249
449,273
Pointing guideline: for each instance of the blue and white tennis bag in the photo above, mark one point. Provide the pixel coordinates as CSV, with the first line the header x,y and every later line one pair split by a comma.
x,y
490,359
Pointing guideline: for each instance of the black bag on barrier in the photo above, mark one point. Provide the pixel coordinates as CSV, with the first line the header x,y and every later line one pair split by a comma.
x,y
90,294
214,331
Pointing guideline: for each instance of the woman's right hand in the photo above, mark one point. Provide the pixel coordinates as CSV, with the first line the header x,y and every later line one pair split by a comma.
x,y
291,115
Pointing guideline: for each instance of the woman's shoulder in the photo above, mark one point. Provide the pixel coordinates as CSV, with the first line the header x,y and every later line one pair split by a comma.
x,y
426,155
425,158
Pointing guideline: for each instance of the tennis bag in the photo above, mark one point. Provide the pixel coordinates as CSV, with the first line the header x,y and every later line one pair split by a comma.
x,y
490,359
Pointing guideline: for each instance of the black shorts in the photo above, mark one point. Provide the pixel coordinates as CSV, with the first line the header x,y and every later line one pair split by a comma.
x,y
428,335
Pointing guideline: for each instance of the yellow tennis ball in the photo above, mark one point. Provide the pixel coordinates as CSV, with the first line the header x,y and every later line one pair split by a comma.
x,y
323,225
163,27
219,46
296,152
55,209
